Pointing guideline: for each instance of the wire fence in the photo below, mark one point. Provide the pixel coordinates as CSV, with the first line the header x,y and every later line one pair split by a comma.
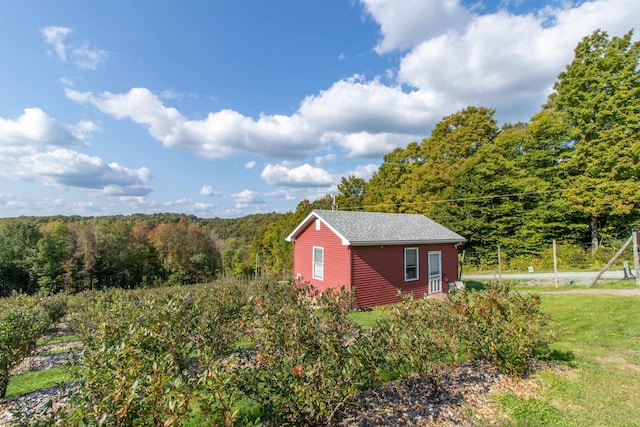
x,y
569,257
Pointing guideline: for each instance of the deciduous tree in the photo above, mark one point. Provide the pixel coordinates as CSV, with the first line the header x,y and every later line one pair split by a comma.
x,y
599,97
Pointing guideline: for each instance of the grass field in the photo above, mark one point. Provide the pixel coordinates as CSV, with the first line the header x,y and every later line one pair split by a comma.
x,y
598,382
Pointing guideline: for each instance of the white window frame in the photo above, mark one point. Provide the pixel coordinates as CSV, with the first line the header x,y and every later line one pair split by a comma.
x,y
317,267
407,277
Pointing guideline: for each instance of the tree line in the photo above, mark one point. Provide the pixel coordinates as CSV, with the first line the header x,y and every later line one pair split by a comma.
x,y
570,173
73,254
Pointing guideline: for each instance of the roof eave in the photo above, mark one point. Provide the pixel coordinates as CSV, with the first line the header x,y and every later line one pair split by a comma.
x,y
405,242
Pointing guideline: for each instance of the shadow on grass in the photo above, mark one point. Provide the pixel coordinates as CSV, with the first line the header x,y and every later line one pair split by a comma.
x,y
473,285
567,357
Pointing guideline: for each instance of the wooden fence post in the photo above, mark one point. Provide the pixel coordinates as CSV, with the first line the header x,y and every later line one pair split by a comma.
x,y
499,267
555,262
635,256
611,261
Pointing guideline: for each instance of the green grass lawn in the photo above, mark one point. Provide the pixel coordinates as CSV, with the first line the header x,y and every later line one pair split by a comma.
x,y
366,319
34,380
58,339
600,386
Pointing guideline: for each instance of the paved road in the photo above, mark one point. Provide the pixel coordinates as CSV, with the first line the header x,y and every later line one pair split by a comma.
x,y
633,292
563,277
582,277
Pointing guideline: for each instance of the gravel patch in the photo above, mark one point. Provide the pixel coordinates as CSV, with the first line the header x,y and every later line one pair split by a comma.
x,y
30,407
462,398
40,362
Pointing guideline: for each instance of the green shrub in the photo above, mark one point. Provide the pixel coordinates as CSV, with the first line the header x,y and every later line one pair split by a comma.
x,y
310,357
141,350
55,307
133,383
419,337
503,327
22,322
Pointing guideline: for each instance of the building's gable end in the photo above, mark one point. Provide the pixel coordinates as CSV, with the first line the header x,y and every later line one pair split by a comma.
x,y
313,216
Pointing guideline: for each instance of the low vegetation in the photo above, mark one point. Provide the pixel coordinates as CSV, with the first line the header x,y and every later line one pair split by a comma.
x,y
23,320
271,353
597,380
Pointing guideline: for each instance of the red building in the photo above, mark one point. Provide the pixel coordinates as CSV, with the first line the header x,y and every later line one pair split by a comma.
x,y
376,254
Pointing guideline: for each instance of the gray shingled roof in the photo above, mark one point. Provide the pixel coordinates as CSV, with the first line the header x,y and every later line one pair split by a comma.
x,y
369,228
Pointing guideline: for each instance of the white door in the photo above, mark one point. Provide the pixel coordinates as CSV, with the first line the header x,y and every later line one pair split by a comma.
x,y
435,272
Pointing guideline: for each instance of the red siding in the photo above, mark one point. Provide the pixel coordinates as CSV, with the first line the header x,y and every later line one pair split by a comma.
x,y
337,258
378,272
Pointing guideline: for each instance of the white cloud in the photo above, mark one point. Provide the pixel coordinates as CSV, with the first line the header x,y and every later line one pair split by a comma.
x,y
82,54
67,81
455,57
368,145
85,207
246,198
349,106
329,157
406,23
87,57
11,203
206,190
357,105
35,129
69,168
479,65
34,148
170,94
363,171
301,176
55,37
83,129
220,135
250,165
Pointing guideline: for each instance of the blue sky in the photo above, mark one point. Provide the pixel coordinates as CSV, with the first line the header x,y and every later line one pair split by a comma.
x,y
227,108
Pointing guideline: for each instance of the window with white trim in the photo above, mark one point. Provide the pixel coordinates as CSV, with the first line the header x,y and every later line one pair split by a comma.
x,y
410,264
318,263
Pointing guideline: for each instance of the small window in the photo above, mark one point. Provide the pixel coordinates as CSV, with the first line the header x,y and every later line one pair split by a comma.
x,y
317,224
318,263
410,264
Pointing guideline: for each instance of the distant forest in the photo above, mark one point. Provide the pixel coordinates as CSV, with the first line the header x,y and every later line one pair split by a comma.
x,y
571,173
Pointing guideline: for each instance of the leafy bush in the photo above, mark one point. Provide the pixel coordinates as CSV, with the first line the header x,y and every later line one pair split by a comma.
x,y
132,383
506,328
55,307
141,349
22,322
310,357
169,356
419,337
